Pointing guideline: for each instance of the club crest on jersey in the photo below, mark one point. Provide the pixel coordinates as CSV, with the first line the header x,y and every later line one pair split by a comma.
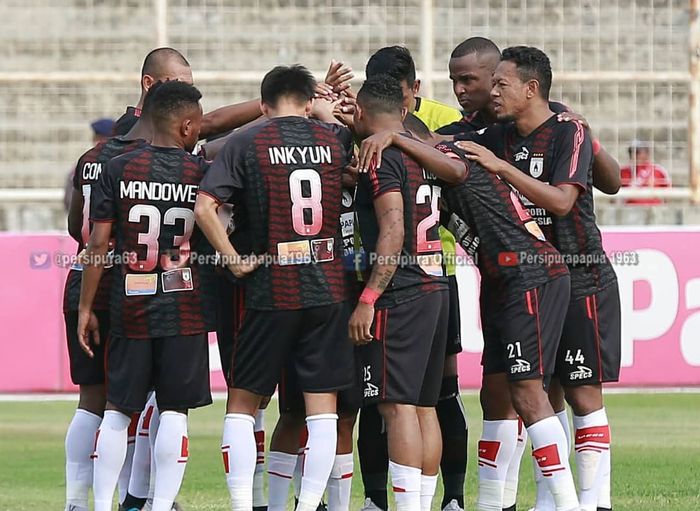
x,y
536,166
522,155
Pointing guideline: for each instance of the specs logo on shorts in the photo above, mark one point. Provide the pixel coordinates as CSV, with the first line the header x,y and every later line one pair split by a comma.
x,y
582,373
520,366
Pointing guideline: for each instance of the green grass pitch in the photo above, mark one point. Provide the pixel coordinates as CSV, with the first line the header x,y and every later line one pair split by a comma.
x,y
656,455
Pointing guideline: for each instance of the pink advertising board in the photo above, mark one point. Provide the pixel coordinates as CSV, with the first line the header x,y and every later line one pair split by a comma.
x,y
659,279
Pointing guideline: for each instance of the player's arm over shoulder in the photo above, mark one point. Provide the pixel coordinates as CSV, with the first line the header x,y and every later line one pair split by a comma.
x,y
573,155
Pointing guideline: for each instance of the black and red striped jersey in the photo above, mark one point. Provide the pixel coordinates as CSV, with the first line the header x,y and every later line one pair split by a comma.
x,y
491,224
558,153
420,270
85,177
286,173
149,196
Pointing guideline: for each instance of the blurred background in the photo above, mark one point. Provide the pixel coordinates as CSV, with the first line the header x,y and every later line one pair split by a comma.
x,y
624,64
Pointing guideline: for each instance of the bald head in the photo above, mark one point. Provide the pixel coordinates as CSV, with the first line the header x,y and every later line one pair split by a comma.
x,y
162,65
472,64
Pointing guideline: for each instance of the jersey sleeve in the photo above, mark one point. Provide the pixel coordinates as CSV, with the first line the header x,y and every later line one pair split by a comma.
x,y
389,177
454,152
75,178
573,156
227,171
103,196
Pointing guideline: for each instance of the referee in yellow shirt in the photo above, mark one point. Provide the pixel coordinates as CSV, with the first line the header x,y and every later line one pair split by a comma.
x,y
397,62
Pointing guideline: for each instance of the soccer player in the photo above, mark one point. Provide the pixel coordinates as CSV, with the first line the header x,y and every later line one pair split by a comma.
x,y
164,64
86,372
550,164
396,210
288,172
397,62
158,319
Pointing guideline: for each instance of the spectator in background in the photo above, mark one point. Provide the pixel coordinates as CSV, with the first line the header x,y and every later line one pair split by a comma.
x,y
643,173
101,131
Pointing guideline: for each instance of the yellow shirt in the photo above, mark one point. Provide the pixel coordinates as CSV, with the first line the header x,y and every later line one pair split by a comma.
x,y
434,114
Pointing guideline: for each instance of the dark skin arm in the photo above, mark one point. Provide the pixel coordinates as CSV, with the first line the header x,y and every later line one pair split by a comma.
x,y
93,266
606,169
448,169
75,216
389,211
229,117
557,199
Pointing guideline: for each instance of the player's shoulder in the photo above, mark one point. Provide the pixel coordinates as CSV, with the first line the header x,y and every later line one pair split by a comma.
x,y
340,131
92,154
573,128
558,108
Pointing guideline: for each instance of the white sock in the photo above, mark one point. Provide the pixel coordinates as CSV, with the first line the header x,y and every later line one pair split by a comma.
x,y
298,471
80,444
510,490
140,479
592,456
320,455
543,499
109,457
259,476
406,482
427,491
125,473
171,454
563,417
496,448
340,483
152,435
549,449
239,438
280,468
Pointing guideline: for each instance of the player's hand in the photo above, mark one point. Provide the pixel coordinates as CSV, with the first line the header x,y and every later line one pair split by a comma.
x,y
351,172
346,106
360,323
324,91
88,329
371,150
482,156
573,116
244,266
338,76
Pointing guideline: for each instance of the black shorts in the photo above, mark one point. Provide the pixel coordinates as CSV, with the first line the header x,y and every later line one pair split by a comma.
x,y
454,325
404,362
291,398
177,368
314,340
83,369
590,348
521,337
229,317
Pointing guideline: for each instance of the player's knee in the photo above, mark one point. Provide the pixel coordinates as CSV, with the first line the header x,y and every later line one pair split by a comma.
x,y
556,395
584,399
92,399
449,386
242,401
394,412
530,400
495,398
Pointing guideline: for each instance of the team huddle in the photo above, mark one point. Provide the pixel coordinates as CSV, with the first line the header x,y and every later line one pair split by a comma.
x,y
317,232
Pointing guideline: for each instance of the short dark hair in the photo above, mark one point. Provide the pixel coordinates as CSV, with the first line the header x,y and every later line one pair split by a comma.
x,y
395,61
413,124
154,61
532,64
170,99
381,94
292,81
479,45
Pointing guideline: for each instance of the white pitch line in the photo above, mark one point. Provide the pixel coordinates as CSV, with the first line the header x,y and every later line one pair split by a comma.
x,y
72,396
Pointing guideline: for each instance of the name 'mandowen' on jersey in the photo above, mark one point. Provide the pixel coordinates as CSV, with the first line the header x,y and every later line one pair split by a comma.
x,y
289,170
149,195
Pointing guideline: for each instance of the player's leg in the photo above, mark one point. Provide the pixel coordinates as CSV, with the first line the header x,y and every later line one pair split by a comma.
x,y
140,478
510,490
285,441
89,374
500,425
590,355
125,473
261,348
374,458
129,370
259,499
536,320
340,482
181,380
324,364
451,414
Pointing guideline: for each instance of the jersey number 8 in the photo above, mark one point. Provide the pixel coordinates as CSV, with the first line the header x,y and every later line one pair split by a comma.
x,y
306,192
